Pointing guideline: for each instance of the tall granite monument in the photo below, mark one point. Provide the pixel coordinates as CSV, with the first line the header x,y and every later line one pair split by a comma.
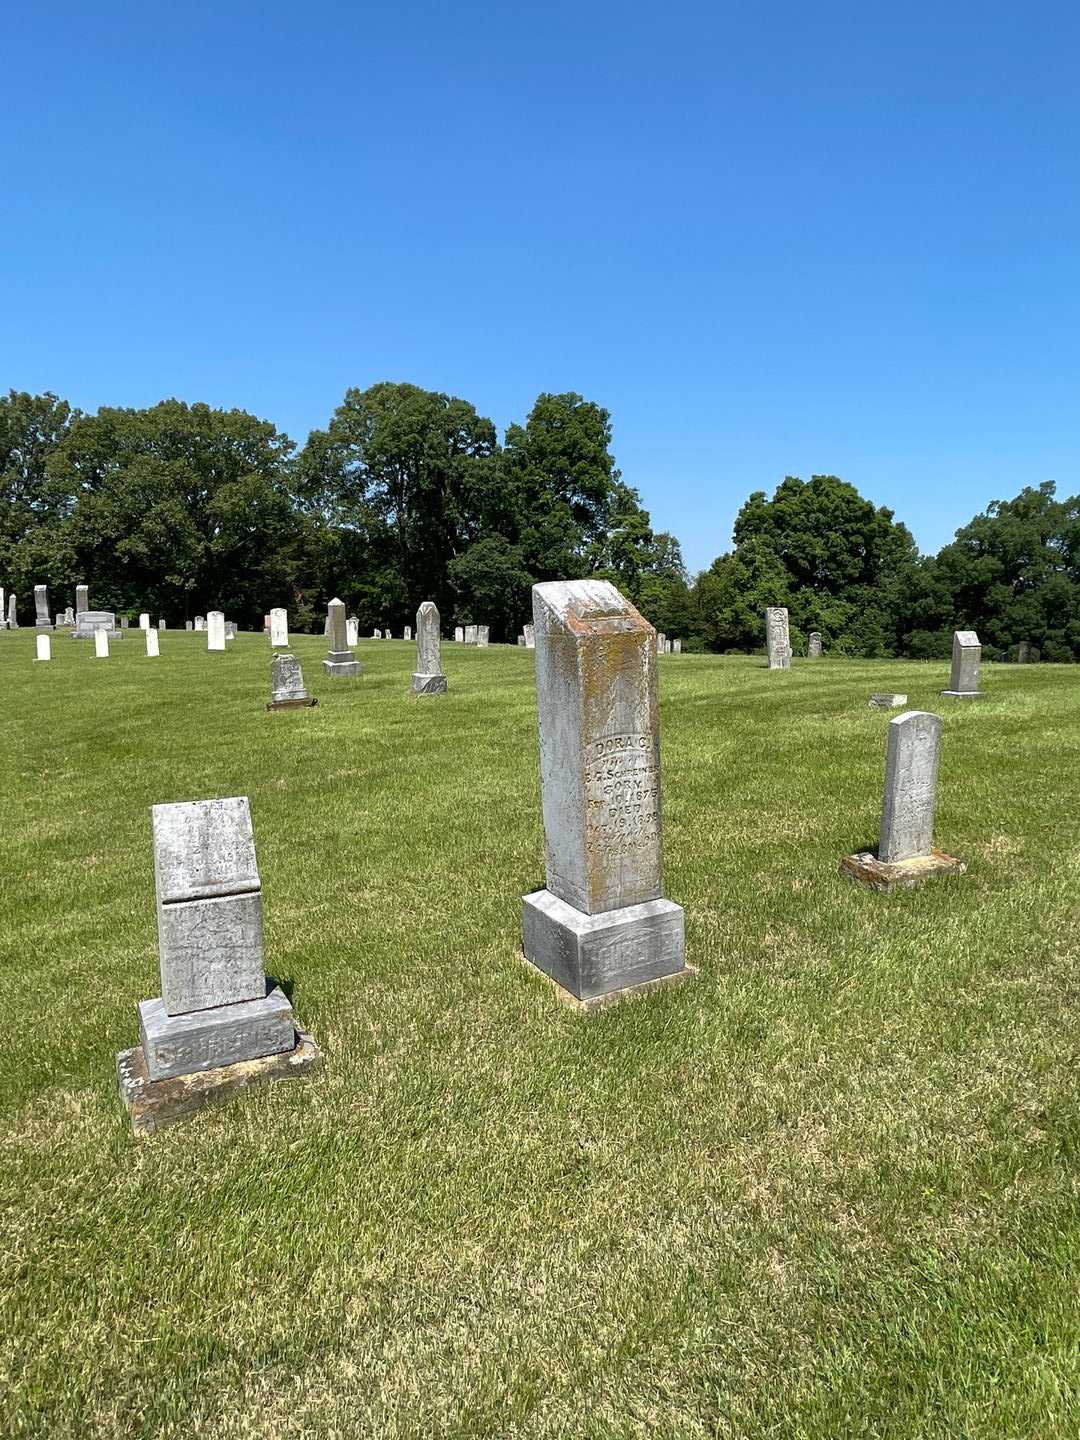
x,y
341,662
966,656
602,927
217,1010
906,854
777,637
428,677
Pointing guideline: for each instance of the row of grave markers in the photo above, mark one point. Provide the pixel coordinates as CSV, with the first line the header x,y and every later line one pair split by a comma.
x,y
601,929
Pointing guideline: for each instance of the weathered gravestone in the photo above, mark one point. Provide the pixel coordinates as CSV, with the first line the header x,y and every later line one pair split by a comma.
x,y
906,854
13,619
200,622
279,627
41,608
216,1012
470,634
777,637
602,927
89,622
82,598
813,646
215,630
377,635
68,618
152,643
676,647
529,632
482,633
408,633
966,654
101,644
144,620
885,700
189,625
230,629
341,662
124,622
459,634
44,647
1023,651
352,632
661,640
521,641
161,624
287,689
428,677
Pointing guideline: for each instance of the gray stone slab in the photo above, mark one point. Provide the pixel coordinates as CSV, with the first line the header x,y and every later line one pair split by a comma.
x,y
529,631
154,1105
211,952
777,637
966,657
599,746
459,634
911,768
885,700
89,621
867,870
205,1039
596,955
342,669
82,599
813,646
203,848
287,681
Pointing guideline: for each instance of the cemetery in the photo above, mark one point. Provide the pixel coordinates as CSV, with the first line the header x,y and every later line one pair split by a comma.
x,y
453,927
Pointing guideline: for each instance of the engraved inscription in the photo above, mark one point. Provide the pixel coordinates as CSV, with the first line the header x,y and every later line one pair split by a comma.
x,y
633,949
219,1046
622,794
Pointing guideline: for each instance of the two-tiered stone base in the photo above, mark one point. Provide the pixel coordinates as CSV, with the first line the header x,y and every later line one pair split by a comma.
x,y
598,959
154,1104
342,665
866,869
429,684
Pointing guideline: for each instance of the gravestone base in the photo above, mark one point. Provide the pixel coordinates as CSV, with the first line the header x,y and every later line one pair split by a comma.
x,y
886,701
297,704
175,1045
346,668
601,957
885,876
43,625
613,997
429,684
155,1104
962,694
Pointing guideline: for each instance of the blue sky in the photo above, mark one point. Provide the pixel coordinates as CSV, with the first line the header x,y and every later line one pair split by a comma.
x,y
772,238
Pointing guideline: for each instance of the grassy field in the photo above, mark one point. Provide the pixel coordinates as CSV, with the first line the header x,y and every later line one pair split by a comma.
x,y
829,1189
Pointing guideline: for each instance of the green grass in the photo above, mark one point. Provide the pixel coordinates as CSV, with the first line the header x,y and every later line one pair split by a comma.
x,y
830,1189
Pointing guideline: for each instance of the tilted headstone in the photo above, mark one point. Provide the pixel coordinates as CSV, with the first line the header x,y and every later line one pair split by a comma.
x,y
215,630
885,700
42,620
470,634
482,633
906,854
529,631
428,677
603,924
13,619
459,634
341,662
214,1007
152,642
82,598
44,647
279,627
777,637
813,646
144,620
287,689
101,644
966,654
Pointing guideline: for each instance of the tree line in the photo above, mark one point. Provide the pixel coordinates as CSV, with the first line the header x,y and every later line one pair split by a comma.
x,y
409,495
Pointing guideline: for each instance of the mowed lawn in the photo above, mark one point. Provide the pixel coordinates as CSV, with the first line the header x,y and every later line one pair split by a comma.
x,y
828,1189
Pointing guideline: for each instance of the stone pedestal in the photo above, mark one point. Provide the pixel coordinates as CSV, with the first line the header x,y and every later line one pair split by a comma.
x,y
206,1039
340,663
602,926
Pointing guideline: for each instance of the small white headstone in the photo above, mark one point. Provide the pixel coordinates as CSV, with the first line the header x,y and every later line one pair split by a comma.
x,y
279,627
152,643
44,647
215,630
144,620
101,644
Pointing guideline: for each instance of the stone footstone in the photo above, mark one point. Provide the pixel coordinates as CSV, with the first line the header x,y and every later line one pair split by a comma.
x,y
155,1104
207,1039
603,925
885,700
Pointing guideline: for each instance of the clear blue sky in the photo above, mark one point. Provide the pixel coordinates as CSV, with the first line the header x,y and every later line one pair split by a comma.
x,y
772,238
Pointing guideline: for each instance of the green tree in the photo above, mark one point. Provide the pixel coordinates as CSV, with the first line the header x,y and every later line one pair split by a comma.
x,y
33,542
